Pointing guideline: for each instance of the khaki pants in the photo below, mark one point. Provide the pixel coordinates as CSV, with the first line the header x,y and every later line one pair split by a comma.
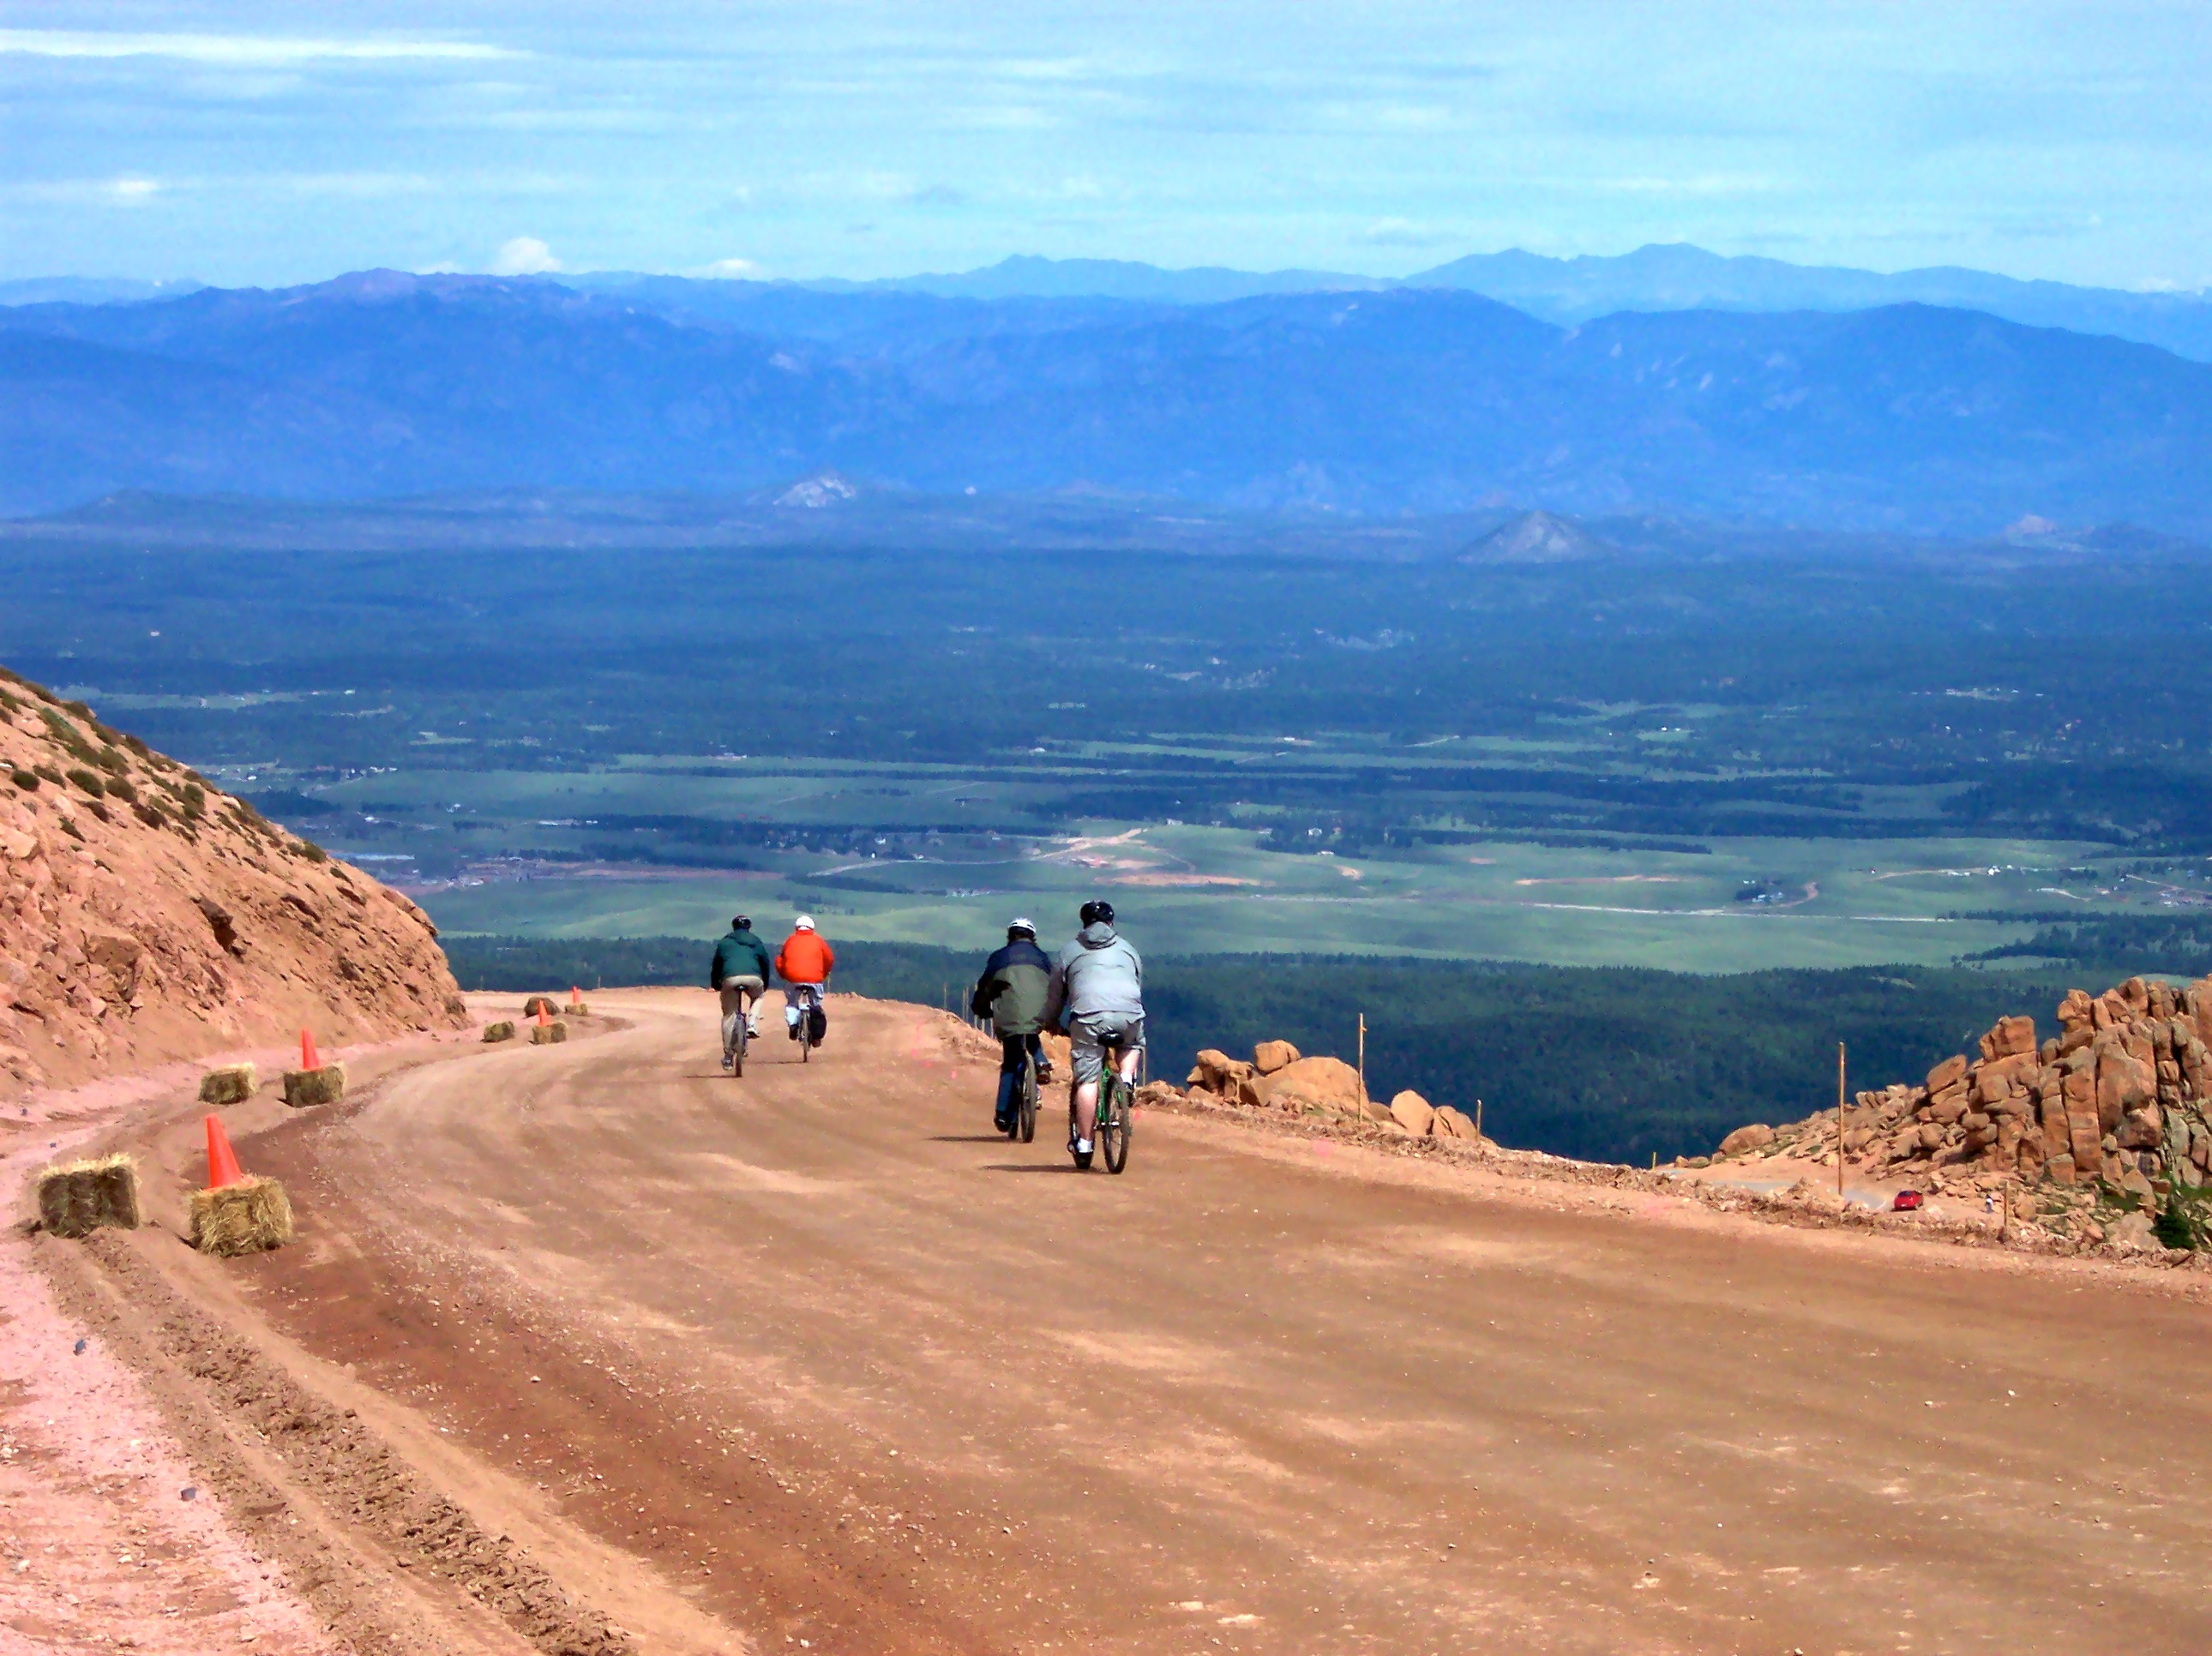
x,y
738,995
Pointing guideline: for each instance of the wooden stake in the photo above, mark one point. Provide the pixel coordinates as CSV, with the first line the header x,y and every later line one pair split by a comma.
x,y
1477,1121
1363,1059
1839,1120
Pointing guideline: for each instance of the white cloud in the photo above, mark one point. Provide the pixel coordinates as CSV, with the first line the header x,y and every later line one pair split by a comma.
x,y
525,256
731,269
231,51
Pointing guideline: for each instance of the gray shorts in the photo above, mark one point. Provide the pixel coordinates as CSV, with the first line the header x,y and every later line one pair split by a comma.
x,y
1084,1035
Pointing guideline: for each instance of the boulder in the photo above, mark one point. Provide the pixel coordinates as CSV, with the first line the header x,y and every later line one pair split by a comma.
x,y
1159,1092
234,1083
1328,1081
2132,1233
1948,1074
1414,1113
544,1004
304,1089
2140,1129
2012,1037
1452,1123
1948,1107
2074,1011
1222,1075
2124,1084
503,1030
1270,1056
1744,1140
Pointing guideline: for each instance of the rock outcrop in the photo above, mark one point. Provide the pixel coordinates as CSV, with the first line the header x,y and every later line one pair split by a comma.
x,y
2123,1093
1326,1088
147,916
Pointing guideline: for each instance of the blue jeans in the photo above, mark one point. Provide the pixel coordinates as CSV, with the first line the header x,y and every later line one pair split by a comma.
x,y
1014,1052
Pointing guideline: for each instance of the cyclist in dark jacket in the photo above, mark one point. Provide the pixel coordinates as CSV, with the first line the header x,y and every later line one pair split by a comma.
x,y
1011,993
739,973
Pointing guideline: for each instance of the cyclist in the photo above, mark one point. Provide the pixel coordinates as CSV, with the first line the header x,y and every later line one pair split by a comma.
x,y
739,973
804,962
1011,994
1098,986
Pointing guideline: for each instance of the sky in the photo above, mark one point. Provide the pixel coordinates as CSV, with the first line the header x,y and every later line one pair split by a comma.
x,y
271,144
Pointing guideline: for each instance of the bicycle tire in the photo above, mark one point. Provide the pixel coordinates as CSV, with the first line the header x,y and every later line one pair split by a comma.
x,y
738,1057
1026,1108
1114,1127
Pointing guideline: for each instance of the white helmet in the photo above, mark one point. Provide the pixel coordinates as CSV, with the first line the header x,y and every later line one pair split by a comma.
x,y
804,923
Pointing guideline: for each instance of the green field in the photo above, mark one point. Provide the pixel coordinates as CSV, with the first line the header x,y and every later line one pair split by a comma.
x,y
525,853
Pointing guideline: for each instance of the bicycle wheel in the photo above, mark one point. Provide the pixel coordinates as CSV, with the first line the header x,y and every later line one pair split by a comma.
x,y
1026,1103
738,1057
1113,1123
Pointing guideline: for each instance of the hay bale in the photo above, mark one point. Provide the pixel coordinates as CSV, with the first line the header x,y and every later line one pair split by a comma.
x,y
548,1034
303,1088
234,1083
250,1217
503,1030
576,1009
77,1198
546,1004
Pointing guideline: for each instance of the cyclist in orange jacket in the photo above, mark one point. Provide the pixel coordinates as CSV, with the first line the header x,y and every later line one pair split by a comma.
x,y
804,962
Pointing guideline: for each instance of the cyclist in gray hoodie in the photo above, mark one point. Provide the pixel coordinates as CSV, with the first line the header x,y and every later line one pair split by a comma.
x,y
1098,986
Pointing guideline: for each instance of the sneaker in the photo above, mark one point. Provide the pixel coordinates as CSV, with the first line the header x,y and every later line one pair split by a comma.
x,y
729,1062
1083,1147
752,1028
1003,1124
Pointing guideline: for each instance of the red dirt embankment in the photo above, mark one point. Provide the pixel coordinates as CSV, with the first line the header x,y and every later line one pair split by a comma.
x,y
147,916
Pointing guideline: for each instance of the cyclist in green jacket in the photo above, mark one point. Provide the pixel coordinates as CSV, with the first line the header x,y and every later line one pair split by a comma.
x,y
1011,994
739,973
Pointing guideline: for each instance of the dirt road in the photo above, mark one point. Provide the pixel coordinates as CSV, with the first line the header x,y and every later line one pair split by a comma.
x,y
815,1359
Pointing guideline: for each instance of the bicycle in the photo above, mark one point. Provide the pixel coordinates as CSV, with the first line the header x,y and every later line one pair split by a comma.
x,y
808,996
745,1012
1023,1125
1115,1118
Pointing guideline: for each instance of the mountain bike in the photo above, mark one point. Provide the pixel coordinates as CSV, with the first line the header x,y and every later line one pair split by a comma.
x,y
1115,1116
808,997
1024,1125
746,1013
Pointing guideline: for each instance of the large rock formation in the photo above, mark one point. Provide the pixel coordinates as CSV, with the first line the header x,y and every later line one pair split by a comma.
x,y
2123,1093
145,915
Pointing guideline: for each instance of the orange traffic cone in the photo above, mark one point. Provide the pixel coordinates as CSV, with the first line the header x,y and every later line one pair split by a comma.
x,y
309,1058
575,996
543,1020
222,1161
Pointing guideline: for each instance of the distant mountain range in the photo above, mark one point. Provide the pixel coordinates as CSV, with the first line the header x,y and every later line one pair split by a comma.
x,y
1905,417
1668,277
1673,276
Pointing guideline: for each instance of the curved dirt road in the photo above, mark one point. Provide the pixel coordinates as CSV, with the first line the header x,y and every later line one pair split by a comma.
x,y
816,1360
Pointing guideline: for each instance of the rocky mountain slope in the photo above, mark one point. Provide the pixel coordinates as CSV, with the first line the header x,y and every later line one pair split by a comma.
x,y
147,916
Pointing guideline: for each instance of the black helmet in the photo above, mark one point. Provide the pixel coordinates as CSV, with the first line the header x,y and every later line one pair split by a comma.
x,y
1097,910
743,923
